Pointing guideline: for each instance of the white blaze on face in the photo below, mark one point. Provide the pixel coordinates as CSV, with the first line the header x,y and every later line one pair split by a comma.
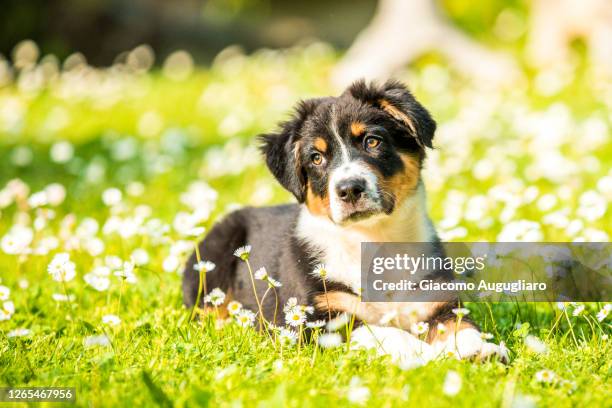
x,y
350,169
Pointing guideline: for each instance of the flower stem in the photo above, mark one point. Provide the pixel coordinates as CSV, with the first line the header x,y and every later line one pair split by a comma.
x,y
326,299
261,318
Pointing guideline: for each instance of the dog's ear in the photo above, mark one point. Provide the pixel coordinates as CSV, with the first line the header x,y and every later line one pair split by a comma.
x,y
281,150
397,101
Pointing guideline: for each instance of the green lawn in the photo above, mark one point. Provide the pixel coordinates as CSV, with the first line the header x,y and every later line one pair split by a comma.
x,y
522,163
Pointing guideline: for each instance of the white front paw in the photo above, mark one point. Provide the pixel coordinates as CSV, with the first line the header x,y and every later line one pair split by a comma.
x,y
402,346
468,343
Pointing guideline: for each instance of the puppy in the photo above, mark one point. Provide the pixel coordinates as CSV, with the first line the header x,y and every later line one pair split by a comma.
x,y
353,163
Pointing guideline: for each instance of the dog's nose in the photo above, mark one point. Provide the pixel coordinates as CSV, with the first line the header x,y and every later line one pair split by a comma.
x,y
350,190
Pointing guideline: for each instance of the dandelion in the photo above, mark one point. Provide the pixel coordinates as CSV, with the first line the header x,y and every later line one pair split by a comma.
x,y
20,332
545,376
4,292
578,310
461,311
357,393
111,320
7,310
452,383
61,268
419,328
317,324
243,252
330,340
295,317
287,337
234,307
216,297
204,266
245,318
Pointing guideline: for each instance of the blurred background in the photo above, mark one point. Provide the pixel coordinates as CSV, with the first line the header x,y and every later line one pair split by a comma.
x,y
157,94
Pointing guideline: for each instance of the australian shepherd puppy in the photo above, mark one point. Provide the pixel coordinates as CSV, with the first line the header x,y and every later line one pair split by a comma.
x,y
354,163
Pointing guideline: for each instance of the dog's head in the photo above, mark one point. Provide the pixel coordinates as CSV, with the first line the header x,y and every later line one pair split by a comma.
x,y
353,156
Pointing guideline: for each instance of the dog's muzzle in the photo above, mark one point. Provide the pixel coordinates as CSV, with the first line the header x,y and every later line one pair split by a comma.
x,y
353,193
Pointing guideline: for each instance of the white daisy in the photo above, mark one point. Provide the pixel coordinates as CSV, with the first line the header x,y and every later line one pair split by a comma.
x,y
287,337
420,327
61,268
92,341
320,271
111,319
216,297
452,383
330,340
274,283
243,252
316,324
261,274
461,311
205,266
603,313
486,336
5,292
234,307
357,393
291,303
578,310
21,332
99,283
441,328
295,317
545,376
245,318
7,310
60,297
535,345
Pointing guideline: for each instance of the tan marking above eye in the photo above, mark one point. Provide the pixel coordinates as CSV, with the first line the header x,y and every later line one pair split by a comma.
x,y
358,128
320,144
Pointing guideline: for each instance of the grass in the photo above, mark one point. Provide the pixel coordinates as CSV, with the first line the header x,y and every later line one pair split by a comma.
x,y
202,128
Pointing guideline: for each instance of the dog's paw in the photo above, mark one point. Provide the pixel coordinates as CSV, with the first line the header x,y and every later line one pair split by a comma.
x,y
468,344
403,347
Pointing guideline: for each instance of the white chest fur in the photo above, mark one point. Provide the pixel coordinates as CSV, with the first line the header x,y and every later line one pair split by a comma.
x,y
339,247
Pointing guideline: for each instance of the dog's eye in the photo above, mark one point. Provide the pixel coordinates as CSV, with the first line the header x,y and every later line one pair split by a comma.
x,y
316,159
371,142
